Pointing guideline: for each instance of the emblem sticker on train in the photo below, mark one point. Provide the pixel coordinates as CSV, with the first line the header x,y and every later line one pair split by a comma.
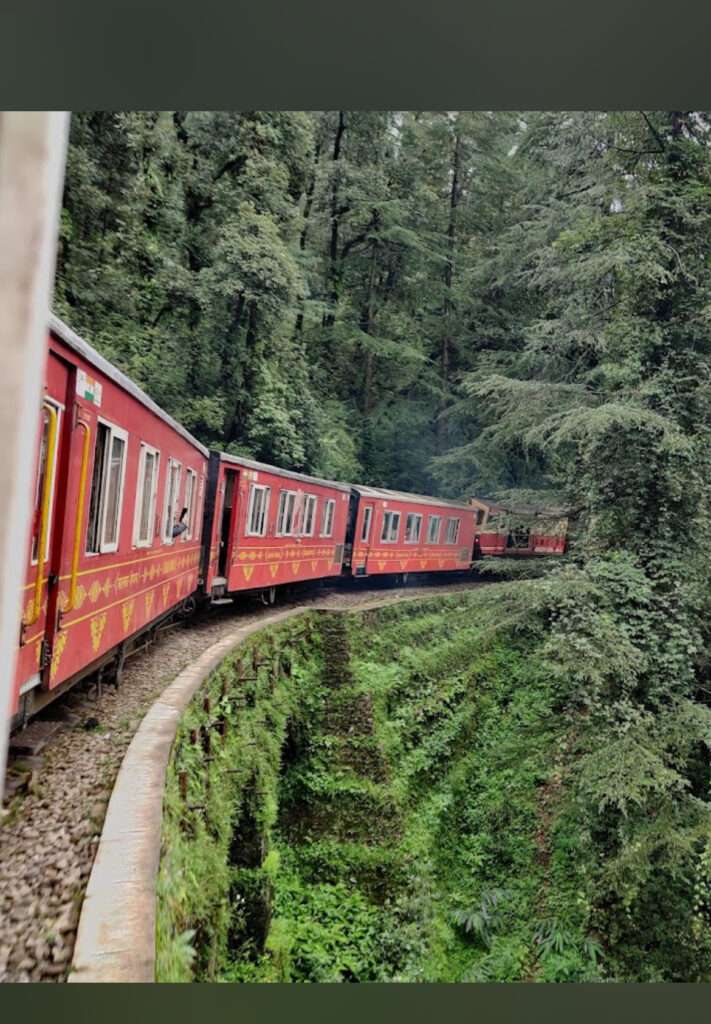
x,y
88,388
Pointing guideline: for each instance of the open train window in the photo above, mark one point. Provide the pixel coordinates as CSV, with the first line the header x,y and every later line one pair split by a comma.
x,y
367,520
190,495
413,528
285,517
327,522
106,489
434,526
309,515
143,528
170,507
199,507
453,530
39,487
391,527
258,510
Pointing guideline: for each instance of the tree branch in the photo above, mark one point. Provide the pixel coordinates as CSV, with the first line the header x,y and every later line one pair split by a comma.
x,y
236,162
655,133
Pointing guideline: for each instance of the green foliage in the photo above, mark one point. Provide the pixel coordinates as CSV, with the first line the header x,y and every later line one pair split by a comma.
x,y
323,933
606,388
483,920
290,285
527,296
209,890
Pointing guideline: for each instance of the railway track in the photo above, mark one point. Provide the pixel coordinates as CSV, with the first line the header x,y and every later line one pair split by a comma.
x,y
49,832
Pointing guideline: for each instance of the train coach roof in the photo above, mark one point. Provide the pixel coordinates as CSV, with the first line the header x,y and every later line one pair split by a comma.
x,y
542,510
264,467
84,349
419,499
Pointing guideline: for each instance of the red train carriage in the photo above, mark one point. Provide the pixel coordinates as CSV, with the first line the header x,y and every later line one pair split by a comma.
x,y
503,531
401,533
104,560
270,526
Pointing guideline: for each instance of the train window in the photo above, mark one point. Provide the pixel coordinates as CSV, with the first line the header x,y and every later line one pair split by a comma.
x,y
453,530
41,472
143,528
327,522
285,517
434,527
106,489
367,520
309,515
114,486
199,506
172,489
391,527
190,481
258,510
413,528
93,538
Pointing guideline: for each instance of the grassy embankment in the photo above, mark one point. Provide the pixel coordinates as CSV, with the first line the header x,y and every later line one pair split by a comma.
x,y
388,804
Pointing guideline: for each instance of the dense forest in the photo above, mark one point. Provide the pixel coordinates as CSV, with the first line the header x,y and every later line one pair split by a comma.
x,y
310,289
463,302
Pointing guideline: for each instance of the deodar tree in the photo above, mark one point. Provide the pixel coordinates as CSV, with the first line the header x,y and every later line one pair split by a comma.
x,y
610,387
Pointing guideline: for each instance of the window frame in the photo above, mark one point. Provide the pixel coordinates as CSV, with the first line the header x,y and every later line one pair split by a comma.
x,y
114,431
450,521
199,508
167,533
390,515
434,517
59,408
328,517
418,517
144,451
253,488
367,525
284,495
190,474
309,499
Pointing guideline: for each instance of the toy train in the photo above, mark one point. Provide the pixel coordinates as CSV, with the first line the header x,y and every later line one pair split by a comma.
x,y
135,520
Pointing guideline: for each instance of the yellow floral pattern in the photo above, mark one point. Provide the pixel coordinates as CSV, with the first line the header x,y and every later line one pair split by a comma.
x,y
97,630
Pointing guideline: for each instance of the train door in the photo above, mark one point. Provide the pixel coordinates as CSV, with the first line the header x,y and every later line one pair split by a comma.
x,y
228,520
45,546
365,538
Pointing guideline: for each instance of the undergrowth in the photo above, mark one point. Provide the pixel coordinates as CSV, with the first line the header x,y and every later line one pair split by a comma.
x,y
388,804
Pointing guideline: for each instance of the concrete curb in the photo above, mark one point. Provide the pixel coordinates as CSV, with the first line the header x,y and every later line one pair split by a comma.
x,y
116,935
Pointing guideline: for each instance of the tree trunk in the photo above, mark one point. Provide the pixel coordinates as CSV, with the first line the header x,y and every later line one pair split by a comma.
x,y
330,317
445,351
244,388
299,325
367,324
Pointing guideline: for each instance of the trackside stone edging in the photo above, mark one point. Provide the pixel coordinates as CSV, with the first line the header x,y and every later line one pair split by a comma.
x,y
116,935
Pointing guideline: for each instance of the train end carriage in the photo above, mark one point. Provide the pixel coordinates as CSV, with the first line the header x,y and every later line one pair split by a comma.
x,y
503,531
269,527
115,537
399,533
